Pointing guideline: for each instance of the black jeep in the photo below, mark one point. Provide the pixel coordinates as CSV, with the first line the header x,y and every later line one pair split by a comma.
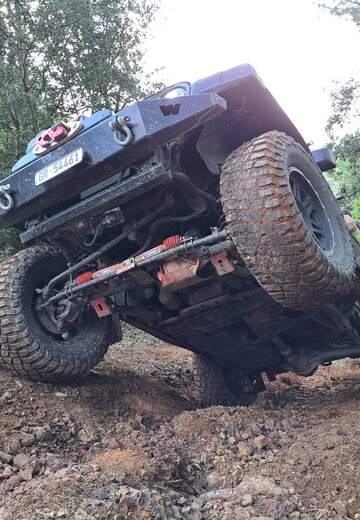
x,y
198,215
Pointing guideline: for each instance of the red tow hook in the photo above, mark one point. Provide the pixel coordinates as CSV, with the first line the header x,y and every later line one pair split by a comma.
x,y
59,132
54,134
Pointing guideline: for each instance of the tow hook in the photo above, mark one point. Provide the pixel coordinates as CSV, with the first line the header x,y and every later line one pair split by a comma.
x,y
56,133
59,133
122,133
6,200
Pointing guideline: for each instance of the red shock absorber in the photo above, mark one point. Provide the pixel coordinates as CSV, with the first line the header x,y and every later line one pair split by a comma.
x,y
84,277
171,242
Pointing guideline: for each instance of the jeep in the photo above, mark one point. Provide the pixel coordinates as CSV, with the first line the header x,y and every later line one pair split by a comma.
x,y
198,215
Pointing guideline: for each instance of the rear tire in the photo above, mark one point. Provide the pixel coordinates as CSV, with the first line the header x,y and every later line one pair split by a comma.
x,y
215,387
285,222
27,347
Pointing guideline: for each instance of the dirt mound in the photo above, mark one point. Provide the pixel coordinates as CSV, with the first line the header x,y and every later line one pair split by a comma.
x,y
128,442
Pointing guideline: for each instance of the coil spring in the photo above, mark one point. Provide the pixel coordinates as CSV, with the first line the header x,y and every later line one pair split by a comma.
x,y
84,277
171,242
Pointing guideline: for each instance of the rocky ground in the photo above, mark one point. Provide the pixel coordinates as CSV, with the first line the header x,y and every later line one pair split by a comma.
x,y
128,442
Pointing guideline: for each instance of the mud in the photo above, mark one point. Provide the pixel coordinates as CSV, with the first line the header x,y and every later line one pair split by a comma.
x,y
128,441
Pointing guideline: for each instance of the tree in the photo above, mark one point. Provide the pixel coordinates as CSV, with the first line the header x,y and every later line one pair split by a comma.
x,y
9,243
347,171
64,57
60,57
346,8
345,99
345,105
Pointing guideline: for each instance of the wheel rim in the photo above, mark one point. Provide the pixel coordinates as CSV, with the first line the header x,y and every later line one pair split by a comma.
x,y
311,210
72,331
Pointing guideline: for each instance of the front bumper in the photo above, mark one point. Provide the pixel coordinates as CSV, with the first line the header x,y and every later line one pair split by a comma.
x,y
152,122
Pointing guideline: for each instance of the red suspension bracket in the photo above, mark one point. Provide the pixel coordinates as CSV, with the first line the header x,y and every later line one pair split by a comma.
x,y
101,307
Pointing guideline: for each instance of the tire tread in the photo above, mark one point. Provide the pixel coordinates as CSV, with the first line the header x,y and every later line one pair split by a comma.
x,y
269,232
21,351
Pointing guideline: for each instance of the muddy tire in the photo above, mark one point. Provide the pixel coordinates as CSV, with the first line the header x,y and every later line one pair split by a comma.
x,y
27,347
285,222
216,387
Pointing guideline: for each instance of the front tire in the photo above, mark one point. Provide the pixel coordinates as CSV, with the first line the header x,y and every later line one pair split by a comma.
x,y
286,223
27,347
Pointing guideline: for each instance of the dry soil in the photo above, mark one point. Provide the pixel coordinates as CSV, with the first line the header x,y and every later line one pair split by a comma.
x,y
128,442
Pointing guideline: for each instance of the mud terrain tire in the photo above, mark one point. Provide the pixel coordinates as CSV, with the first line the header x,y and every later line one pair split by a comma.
x,y
213,386
27,348
285,222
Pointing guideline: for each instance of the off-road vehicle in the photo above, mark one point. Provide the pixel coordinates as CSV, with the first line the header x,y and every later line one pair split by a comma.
x,y
198,215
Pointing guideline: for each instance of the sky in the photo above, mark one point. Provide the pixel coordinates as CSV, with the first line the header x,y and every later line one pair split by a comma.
x,y
298,49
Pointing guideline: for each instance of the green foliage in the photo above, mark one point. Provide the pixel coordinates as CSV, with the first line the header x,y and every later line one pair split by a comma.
x,y
60,57
9,243
347,171
345,104
346,8
345,101
356,212
345,98
4,173
65,57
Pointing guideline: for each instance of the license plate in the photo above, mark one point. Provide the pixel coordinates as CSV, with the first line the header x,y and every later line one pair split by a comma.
x,y
59,167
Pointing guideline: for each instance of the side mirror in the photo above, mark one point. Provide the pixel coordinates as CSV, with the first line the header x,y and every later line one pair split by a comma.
x,y
324,158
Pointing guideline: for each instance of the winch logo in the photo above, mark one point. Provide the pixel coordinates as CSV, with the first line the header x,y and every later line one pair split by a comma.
x,y
170,110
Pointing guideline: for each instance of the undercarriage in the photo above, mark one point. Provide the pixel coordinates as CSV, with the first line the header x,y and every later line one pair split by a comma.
x,y
176,273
